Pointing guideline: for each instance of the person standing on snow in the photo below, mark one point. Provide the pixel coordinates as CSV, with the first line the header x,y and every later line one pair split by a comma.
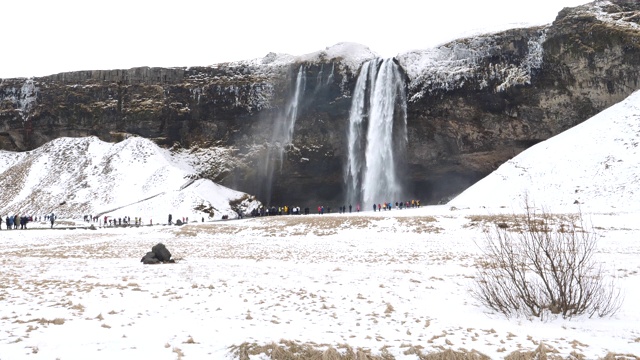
x,y
53,219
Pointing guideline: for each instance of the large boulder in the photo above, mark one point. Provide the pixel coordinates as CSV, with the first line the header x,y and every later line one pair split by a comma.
x,y
161,252
150,258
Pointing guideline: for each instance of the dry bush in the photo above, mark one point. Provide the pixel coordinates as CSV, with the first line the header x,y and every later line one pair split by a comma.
x,y
540,267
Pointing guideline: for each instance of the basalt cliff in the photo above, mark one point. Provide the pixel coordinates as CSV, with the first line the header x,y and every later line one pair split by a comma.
x,y
278,126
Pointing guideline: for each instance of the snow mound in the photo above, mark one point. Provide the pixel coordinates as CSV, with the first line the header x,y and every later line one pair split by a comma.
x,y
592,166
86,176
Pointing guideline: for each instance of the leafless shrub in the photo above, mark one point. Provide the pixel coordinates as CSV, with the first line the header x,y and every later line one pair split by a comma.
x,y
541,267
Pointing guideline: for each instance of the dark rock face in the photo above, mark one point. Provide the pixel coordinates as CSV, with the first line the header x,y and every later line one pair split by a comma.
x,y
477,103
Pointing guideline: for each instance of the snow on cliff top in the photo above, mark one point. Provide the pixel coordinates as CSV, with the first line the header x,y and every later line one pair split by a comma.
x,y
450,66
592,166
601,10
453,64
351,54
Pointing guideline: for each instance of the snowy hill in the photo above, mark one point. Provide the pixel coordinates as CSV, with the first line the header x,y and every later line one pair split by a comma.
x,y
593,165
76,176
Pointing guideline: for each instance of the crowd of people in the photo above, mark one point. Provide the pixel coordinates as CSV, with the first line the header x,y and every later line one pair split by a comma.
x,y
13,221
398,206
109,221
112,221
296,210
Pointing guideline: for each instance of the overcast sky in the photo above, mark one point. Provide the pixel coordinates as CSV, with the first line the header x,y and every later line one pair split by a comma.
x,y
42,37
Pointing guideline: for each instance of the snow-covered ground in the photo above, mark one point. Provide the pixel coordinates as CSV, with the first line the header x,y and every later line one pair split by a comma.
x,y
387,280
393,283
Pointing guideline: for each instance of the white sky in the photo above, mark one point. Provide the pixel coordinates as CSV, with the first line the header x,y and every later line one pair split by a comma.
x,y
42,37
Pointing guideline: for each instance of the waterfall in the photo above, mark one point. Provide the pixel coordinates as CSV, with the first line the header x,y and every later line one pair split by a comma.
x,y
377,135
281,137
284,130
355,137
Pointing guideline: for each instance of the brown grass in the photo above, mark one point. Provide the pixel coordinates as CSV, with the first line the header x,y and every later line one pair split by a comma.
x,y
541,352
389,309
291,350
514,221
420,224
56,321
189,341
299,225
615,356
179,352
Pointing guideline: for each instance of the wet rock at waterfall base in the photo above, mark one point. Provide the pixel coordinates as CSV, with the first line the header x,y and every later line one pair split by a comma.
x,y
159,254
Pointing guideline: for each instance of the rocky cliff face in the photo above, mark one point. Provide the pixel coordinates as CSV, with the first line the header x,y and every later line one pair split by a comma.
x,y
473,104
483,100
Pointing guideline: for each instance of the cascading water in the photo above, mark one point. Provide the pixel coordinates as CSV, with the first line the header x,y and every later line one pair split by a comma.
x,y
356,136
282,136
284,130
377,135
